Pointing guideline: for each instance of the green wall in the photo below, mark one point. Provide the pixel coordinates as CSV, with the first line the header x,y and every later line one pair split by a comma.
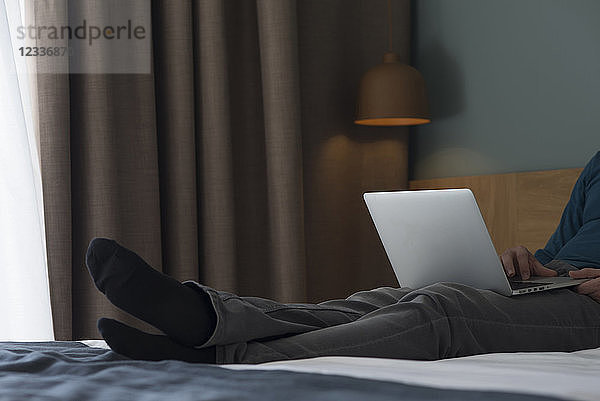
x,y
513,85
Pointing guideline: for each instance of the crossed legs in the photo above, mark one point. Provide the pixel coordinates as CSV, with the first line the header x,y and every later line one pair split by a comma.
x,y
184,315
439,321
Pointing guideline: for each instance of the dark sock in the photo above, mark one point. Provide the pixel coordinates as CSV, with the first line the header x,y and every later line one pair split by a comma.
x,y
136,344
182,313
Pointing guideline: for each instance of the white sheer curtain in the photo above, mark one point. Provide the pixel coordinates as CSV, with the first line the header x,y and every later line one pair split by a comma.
x,y
24,293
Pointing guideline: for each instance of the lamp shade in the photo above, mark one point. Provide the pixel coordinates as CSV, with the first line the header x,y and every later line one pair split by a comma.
x,y
392,93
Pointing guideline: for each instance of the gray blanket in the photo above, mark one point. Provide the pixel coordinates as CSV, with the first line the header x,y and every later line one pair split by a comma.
x,y
73,371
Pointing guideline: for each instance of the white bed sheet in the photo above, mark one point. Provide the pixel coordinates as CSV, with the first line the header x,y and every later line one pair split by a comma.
x,y
572,376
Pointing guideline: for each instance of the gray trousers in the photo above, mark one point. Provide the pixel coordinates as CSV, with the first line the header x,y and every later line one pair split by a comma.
x,y
439,321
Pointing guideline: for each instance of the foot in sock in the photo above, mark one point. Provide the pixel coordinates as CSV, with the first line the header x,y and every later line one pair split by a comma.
x,y
136,344
182,313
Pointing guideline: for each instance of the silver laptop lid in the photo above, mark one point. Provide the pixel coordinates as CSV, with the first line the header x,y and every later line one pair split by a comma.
x,y
436,236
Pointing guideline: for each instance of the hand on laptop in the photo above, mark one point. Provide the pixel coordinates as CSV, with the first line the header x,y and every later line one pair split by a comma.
x,y
520,261
590,288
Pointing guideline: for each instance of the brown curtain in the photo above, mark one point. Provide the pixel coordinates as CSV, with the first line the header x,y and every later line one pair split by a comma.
x,y
235,162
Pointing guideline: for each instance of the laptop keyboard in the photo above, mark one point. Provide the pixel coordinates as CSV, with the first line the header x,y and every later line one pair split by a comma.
x,y
519,285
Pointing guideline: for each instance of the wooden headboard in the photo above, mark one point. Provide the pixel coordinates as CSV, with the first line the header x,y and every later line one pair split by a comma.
x,y
518,208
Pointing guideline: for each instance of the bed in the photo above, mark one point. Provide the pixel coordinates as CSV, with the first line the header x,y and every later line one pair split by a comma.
x,y
519,208
90,371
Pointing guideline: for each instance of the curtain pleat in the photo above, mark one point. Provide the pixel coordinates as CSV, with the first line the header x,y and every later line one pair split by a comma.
x,y
176,132
215,147
55,159
115,181
278,46
235,162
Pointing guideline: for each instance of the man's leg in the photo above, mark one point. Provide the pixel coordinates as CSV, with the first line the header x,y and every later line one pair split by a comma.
x,y
132,285
243,319
438,321
196,315
442,321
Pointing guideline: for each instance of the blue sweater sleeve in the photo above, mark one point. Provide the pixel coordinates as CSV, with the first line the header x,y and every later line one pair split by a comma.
x,y
578,229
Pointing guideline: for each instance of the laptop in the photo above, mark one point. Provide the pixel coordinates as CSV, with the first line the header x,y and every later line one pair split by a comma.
x,y
437,236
